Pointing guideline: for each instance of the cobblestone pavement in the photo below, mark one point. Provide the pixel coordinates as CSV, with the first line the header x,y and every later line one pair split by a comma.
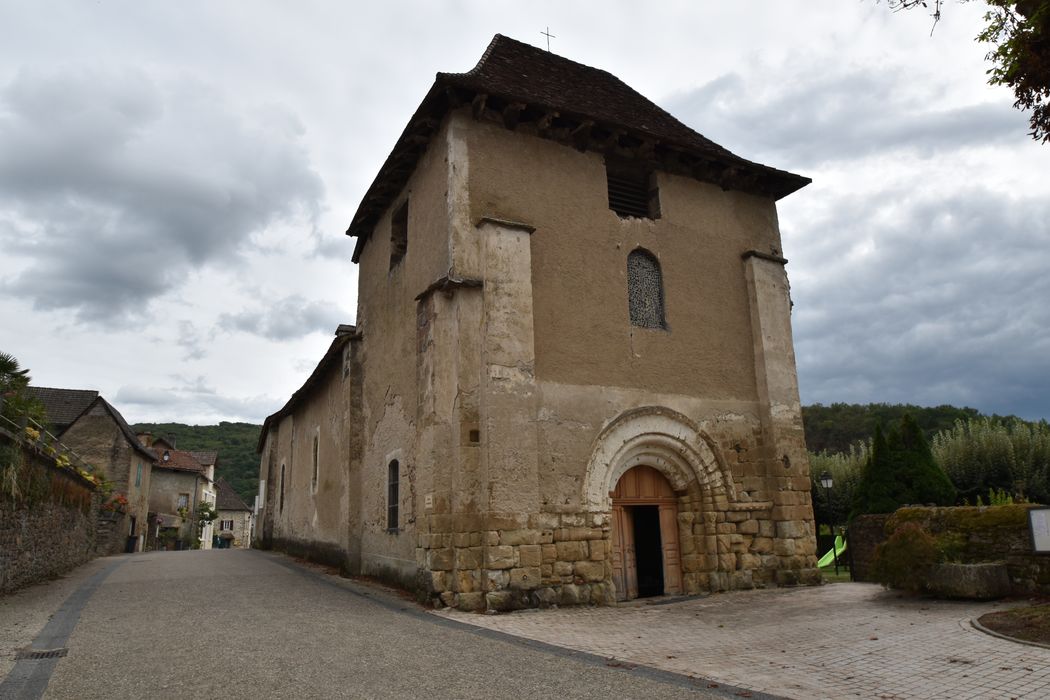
x,y
836,641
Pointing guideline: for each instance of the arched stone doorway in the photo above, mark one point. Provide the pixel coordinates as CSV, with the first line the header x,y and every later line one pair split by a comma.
x,y
646,555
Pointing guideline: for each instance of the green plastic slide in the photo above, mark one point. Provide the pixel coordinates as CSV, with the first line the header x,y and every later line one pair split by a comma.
x,y
829,558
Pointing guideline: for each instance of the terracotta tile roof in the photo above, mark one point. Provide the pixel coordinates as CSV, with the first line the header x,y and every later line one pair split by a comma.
x,y
205,457
226,498
536,81
63,406
178,460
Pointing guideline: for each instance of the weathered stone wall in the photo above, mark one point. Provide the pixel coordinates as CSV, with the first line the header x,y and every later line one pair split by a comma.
x,y
306,509
50,527
972,535
866,532
97,438
111,533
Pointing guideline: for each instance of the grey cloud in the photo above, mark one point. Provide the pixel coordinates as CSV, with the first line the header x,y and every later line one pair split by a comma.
x,y
115,186
190,401
818,114
927,300
190,341
291,317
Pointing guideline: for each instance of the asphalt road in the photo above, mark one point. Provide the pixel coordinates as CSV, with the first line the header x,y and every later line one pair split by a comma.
x,y
247,624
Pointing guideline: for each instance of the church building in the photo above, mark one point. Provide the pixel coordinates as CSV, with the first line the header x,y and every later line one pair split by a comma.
x,y
571,379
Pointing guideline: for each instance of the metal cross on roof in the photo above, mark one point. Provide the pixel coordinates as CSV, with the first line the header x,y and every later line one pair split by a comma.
x,y
549,37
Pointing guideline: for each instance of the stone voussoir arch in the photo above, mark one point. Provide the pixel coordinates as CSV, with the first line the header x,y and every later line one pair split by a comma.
x,y
661,438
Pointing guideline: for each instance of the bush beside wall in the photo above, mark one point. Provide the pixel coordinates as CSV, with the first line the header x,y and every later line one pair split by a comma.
x,y
966,535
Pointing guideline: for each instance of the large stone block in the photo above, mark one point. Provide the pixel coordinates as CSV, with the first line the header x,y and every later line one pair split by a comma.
x,y
516,537
748,527
440,559
791,529
465,581
571,551
471,602
549,553
497,579
530,555
590,571
562,568
525,578
468,558
597,549
762,545
501,557
987,581
784,548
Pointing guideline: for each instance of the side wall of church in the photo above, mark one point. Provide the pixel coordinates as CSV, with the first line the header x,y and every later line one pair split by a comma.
x,y
307,510
401,426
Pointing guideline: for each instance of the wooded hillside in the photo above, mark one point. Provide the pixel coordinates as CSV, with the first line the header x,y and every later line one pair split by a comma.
x,y
235,443
834,428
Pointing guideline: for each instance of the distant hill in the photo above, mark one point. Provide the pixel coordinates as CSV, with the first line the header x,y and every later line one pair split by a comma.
x,y
235,443
834,428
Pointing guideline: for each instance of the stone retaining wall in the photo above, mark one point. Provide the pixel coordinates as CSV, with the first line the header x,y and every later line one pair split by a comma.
x,y
866,532
48,523
968,535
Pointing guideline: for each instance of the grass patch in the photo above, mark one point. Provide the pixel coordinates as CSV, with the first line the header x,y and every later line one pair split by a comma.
x,y
829,575
1031,624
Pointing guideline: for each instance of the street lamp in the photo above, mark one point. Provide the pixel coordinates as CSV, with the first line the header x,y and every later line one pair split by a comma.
x,y
827,482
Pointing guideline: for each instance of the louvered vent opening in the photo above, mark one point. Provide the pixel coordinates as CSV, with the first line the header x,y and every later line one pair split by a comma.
x,y
630,194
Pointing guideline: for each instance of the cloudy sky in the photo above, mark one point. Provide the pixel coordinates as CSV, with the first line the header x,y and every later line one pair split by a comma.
x,y
176,177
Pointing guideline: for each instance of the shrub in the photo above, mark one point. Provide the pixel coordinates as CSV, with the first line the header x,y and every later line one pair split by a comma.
x,y
904,560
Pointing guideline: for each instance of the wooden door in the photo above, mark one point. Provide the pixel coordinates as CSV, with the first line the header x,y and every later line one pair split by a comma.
x,y
669,543
644,486
625,567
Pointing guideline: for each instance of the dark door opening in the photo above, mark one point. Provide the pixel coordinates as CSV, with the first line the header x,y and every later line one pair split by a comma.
x,y
648,550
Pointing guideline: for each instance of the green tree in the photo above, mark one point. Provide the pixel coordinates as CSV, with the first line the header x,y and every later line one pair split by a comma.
x,y
14,392
1019,34
993,453
900,470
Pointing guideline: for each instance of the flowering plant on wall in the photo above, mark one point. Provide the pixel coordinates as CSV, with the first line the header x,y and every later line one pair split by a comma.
x,y
32,433
117,503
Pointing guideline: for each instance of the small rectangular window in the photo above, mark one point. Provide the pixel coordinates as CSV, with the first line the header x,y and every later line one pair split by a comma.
x,y
183,501
392,483
317,439
398,234
633,192
138,475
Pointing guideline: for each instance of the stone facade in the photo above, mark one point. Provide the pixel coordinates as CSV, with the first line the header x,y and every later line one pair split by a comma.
x,y
497,387
101,436
177,481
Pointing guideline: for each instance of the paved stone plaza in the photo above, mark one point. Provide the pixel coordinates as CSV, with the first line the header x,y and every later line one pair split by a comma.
x,y
836,641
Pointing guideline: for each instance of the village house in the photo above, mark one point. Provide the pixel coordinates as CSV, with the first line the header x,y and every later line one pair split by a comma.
x,y
96,431
572,378
233,524
179,485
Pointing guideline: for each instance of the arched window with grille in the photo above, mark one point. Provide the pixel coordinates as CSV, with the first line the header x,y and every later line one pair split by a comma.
x,y
645,290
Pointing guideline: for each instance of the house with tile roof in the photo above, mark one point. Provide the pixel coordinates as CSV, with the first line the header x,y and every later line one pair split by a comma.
x,y
97,431
571,378
233,526
179,485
